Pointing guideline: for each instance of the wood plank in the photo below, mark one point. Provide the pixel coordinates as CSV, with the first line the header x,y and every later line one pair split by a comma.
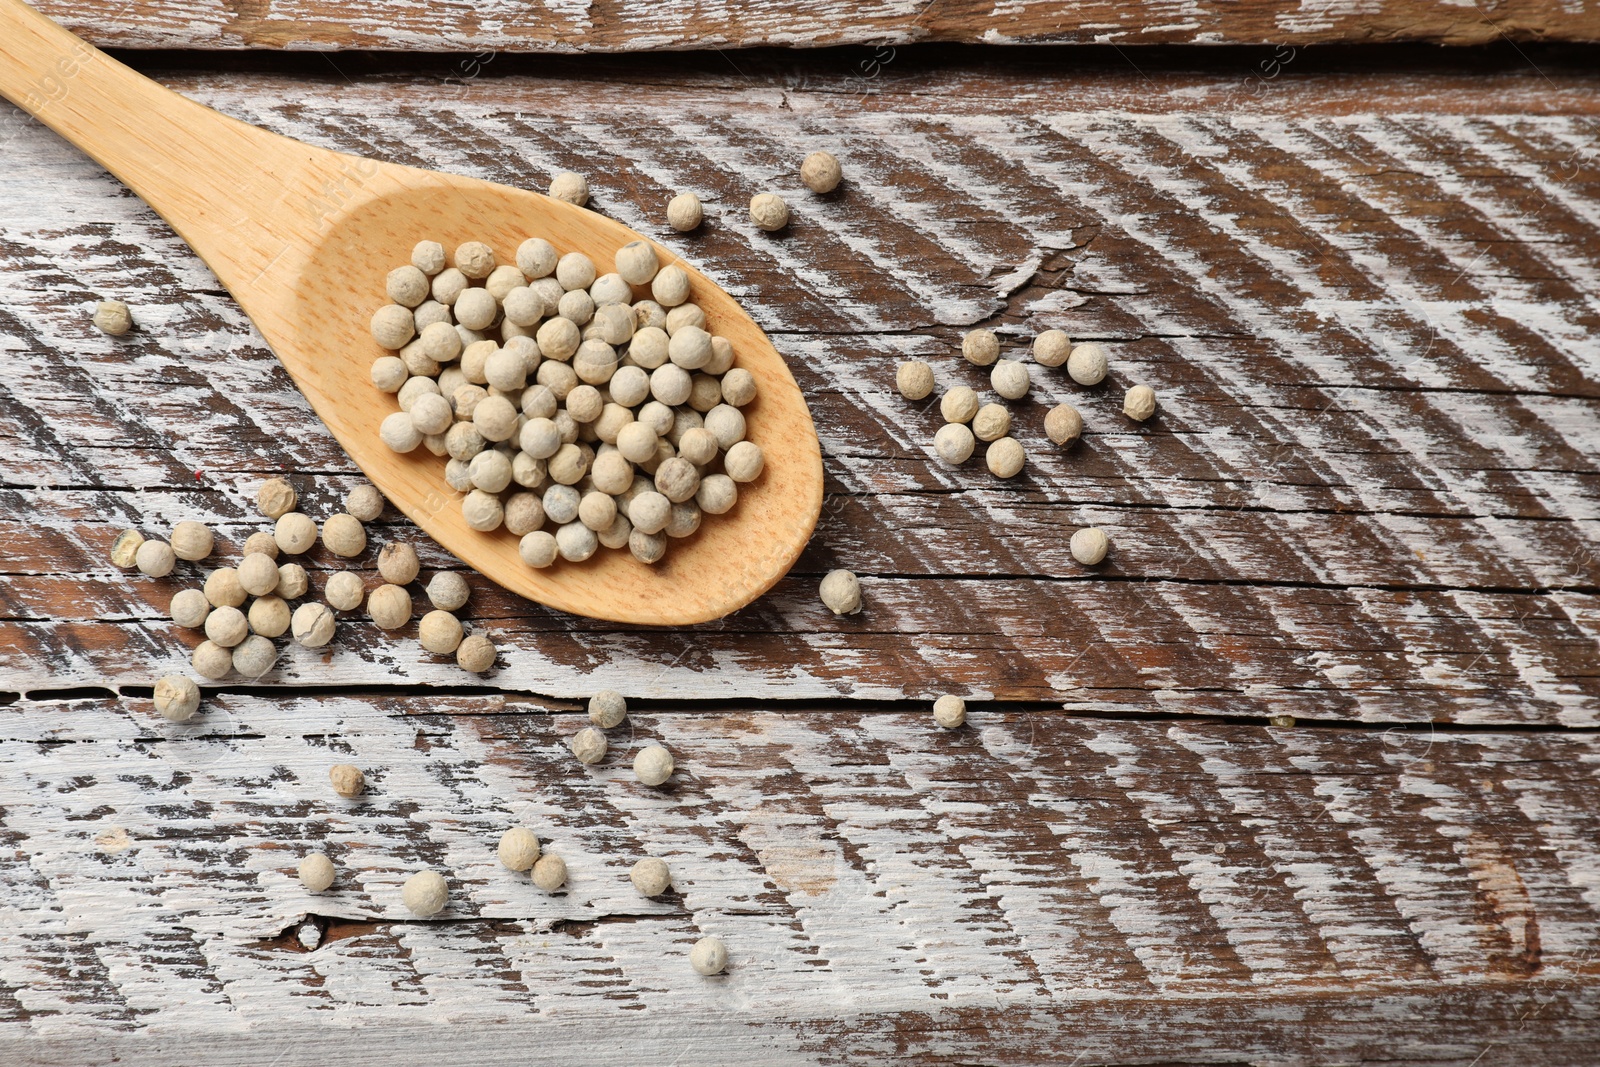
x,y
886,888
1370,495
637,25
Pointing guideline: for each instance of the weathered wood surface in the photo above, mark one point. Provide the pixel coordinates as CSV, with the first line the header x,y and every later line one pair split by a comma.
x,y
885,888
1370,499
651,25
1371,492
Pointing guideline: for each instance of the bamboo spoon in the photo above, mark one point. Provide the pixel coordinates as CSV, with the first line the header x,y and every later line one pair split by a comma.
x,y
303,237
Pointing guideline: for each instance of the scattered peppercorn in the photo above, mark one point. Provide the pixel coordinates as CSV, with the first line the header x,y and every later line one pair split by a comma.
x,y
112,317
316,872
1063,424
650,877
347,779
820,172
653,765
176,698
709,956
519,849
1139,403
769,212
425,893
841,592
949,711
1089,545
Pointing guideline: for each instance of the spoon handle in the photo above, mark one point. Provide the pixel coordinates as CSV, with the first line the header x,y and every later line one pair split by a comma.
x,y
240,196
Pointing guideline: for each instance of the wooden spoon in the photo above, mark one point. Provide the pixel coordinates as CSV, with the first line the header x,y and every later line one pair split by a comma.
x,y
303,238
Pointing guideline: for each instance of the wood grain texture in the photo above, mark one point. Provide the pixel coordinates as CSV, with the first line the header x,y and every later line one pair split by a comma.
x,y
565,26
886,889
1369,495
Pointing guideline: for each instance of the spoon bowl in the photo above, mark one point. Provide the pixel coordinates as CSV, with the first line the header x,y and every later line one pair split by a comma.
x,y
303,238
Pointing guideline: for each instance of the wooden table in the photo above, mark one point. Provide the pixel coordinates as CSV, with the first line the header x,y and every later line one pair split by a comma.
x,y
1305,773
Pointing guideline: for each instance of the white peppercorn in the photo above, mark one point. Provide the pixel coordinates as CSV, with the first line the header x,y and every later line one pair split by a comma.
x,y
523,513
275,498
560,504
255,656
365,502
650,877
474,259
717,495
769,212
263,542
125,549
313,625
670,286
393,326
1005,457
670,384
490,471
293,582
568,465
721,356
726,424
684,316
536,257
1089,545
709,956
389,373
431,413
820,172
389,606
440,342
407,286
949,711
502,280
428,257
610,289
689,347
538,549
980,347
448,285
429,312
577,307
155,559
344,591
347,780
959,404
416,386
914,379
588,745
576,542
475,309
439,632
519,848
226,626
1139,403
1087,364
570,187
258,574
646,548
211,660
176,698
527,471
608,709
112,317
1063,424
616,535
1051,348
399,433
1009,378
222,588
269,616
653,765
425,893
398,563
648,313
954,443
597,510
550,873
744,461
685,519
295,533
189,608
495,418
698,445
191,540
677,479
684,212
841,592
991,423
463,441
585,403
316,871
476,652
